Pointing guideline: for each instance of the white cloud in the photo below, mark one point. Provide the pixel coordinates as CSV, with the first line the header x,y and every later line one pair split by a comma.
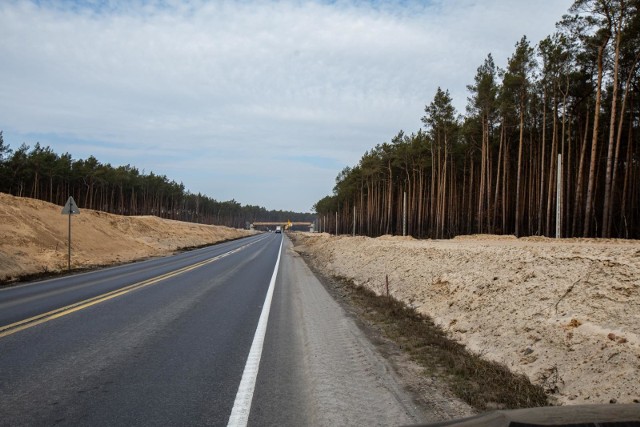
x,y
252,78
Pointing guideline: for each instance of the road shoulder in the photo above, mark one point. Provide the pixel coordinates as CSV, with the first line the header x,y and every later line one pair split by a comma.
x,y
431,398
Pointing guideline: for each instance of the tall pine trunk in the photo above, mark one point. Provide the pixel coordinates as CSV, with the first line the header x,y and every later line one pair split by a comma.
x,y
608,191
588,209
519,172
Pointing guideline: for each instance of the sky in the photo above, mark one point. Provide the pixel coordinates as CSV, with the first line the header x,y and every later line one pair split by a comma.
x,y
264,102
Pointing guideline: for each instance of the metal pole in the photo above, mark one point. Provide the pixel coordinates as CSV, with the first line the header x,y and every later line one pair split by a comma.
x,y
559,198
404,214
69,257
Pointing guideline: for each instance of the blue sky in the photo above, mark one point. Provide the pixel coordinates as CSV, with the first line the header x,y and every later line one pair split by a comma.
x,y
260,101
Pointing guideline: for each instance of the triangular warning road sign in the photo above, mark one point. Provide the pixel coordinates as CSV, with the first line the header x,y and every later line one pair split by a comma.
x,y
70,207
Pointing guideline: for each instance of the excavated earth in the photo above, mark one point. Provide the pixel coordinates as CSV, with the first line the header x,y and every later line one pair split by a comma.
x,y
34,236
565,312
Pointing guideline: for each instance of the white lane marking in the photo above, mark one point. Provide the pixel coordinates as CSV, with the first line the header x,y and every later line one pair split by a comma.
x,y
242,405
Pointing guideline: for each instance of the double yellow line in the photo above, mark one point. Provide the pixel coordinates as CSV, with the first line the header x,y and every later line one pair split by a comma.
x,y
63,311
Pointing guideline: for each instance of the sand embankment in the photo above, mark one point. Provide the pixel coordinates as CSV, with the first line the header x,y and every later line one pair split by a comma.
x,y
565,312
33,237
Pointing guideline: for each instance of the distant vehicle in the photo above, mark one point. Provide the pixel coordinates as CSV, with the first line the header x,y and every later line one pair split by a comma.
x,y
278,229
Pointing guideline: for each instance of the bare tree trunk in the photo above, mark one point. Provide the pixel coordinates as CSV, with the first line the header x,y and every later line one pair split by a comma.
x,y
489,178
483,178
552,166
608,193
519,172
564,165
390,202
619,135
542,160
471,184
420,197
444,189
505,181
432,190
625,188
577,204
594,143
496,193
531,185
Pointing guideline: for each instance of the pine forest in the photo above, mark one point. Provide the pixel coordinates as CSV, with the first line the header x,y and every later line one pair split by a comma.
x,y
40,173
548,145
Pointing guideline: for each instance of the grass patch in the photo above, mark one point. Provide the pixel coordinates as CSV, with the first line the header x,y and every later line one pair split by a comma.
x,y
483,384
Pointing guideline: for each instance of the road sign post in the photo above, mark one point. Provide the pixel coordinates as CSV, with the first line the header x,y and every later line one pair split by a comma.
x,y
70,208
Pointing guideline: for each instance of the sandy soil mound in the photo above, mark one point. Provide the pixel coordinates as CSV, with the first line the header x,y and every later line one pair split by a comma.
x,y
564,312
33,237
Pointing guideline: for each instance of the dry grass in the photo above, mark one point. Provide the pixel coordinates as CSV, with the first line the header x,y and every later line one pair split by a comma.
x,y
479,382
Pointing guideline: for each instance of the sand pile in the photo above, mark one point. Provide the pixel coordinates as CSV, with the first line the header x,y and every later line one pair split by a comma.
x,y
564,312
33,237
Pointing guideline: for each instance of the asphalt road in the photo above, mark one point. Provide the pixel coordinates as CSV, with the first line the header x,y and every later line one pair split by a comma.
x,y
166,341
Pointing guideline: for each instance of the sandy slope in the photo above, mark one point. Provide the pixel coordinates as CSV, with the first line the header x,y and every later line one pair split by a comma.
x,y
564,312
33,237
